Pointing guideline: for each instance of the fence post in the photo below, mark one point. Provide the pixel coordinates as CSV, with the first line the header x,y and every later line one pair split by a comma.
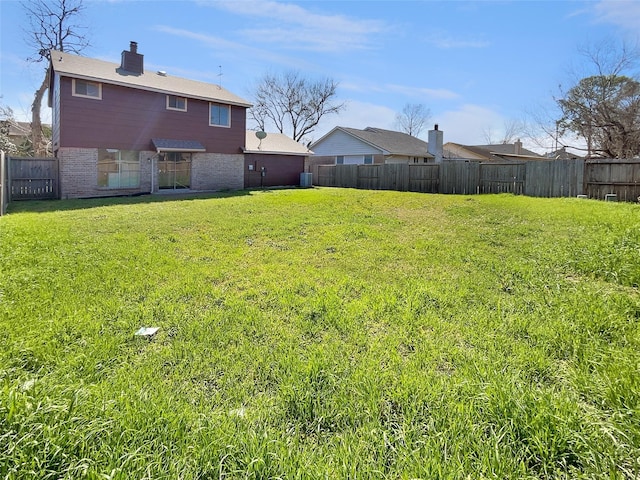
x,y
3,183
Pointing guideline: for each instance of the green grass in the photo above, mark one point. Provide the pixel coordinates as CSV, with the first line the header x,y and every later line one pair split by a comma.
x,y
320,333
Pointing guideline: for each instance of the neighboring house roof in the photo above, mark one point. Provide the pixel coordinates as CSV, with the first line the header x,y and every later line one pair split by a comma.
x,y
21,129
107,72
274,143
562,154
508,149
388,141
496,152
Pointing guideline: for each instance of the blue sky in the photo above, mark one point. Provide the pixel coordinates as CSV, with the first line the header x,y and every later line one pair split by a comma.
x,y
475,65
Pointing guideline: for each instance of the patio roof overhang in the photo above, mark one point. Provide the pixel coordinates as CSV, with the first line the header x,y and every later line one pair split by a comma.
x,y
171,145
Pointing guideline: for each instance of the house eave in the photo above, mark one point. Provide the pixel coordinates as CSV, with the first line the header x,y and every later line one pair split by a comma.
x,y
273,152
152,89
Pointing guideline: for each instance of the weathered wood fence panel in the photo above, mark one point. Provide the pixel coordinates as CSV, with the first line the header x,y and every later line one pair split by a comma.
x,y
459,177
552,178
347,176
620,178
33,178
369,178
392,176
423,178
326,176
557,178
502,178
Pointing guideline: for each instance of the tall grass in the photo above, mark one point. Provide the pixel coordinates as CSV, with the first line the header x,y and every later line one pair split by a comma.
x,y
320,333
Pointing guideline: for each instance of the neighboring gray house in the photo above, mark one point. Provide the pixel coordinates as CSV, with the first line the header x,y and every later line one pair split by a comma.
x,y
351,146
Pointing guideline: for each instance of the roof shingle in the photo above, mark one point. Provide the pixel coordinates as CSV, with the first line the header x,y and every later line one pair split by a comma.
x,y
107,72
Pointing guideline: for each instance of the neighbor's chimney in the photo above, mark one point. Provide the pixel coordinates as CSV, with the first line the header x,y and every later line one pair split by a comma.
x,y
517,147
132,61
434,146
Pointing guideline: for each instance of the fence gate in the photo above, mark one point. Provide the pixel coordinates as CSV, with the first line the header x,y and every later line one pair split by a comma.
x,y
33,178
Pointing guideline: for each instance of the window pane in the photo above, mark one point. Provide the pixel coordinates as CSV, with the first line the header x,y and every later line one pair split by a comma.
x,y
118,169
87,89
219,114
92,90
340,160
368,159
178,103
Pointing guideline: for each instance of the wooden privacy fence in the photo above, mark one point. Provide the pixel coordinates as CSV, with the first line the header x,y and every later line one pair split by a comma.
x,y
33,178
555,178
4,186
620,178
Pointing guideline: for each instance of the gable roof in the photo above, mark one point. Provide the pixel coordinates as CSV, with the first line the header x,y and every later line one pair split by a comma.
x,y
19,129
496,152
111,73
507,149
389,141
274,143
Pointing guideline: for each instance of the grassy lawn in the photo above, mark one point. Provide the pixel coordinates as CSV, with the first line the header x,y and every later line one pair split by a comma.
x,y
320,333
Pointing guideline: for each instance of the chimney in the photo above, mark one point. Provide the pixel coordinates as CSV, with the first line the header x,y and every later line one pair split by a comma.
x,y
434,146
132,61
517,147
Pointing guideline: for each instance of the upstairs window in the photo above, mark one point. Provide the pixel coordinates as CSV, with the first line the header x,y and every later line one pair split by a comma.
x,y
85,88
175,102
219,115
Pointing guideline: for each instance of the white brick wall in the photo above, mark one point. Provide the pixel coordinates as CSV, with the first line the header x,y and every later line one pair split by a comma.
x,y
79,174
217,171
209,171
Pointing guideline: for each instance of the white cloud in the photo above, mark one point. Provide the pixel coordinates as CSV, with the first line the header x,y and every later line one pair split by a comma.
x,y
624,13
295,27
419,93
229,48
446,41
466,125
423,92
358,115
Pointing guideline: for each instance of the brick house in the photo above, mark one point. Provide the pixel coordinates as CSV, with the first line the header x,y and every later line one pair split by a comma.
x,y
118,130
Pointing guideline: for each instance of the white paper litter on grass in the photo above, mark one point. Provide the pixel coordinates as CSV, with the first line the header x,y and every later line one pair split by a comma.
x,y
147,331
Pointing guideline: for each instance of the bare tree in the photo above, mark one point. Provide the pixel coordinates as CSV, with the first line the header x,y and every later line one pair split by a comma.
x,y
413,118
513,129
6,119
51,26
293,104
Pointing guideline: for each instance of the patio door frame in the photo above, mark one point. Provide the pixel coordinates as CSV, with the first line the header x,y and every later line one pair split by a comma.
x,y
174,170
